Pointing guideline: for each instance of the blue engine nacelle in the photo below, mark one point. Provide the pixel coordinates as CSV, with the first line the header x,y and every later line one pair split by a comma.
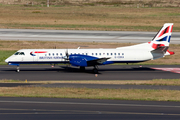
x,y
80,60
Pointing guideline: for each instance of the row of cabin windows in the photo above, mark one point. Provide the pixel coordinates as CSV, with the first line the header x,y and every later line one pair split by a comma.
x,y
86,54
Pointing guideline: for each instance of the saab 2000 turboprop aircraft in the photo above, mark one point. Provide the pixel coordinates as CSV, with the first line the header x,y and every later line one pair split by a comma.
x,y
82,58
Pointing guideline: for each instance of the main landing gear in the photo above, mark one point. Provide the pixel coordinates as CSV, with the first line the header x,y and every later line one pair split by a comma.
x,y
95,70
82,68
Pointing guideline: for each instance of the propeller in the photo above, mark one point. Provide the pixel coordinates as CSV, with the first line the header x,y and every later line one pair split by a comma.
x,y
67,55
67,58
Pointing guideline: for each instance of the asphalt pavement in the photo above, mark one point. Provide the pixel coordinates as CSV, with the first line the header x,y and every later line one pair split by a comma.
x,y
80,109
108,72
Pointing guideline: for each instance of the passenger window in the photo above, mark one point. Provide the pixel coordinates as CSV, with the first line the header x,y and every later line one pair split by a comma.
x,y
45,54
99,53
92,53
86,53
111,54
122,53
60,53
53,54
114,53
49,54
96,53
107,53
56,53
118,53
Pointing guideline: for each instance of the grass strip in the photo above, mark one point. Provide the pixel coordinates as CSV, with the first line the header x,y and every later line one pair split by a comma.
x,y
89,17
160,82
86,93
85,27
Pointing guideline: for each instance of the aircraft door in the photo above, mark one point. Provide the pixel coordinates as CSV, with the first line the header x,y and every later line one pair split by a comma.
x,y
34,55
35,58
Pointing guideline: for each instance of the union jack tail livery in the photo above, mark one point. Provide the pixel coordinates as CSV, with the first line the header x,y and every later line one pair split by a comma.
x,y
165,33
163,37
160,42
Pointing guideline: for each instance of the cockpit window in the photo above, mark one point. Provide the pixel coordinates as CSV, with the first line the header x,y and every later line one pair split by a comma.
x,y
16,53
19,53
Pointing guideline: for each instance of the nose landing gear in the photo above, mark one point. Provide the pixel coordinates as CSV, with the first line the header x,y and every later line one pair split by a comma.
x,y
18,70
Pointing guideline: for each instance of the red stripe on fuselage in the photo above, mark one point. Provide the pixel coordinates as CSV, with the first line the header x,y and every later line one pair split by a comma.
x,y
40,52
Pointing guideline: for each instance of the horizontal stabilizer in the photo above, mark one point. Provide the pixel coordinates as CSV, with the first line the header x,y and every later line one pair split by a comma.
x,y
161,49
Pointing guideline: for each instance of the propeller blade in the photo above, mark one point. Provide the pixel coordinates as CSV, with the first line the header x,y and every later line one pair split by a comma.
x,y
67,55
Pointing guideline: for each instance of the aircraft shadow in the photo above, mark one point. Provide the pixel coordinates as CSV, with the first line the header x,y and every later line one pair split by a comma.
x,y
88,70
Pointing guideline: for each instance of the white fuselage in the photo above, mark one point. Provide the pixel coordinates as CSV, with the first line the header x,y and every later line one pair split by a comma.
x,y
119,55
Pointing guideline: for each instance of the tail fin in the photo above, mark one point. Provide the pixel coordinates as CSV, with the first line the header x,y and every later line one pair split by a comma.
x,y
163,37
160,42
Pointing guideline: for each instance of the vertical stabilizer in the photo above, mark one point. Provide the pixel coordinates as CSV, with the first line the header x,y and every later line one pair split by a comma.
x,y
160,42
163,37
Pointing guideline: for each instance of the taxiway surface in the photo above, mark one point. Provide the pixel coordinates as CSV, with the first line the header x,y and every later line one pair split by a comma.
x,y
80,109
109,72
82,36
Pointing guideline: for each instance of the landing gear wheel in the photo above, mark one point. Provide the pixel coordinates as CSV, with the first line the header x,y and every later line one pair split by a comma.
x,y
95,71
18,70
82,68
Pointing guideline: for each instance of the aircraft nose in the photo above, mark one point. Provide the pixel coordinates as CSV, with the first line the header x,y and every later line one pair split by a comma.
x,y
7,60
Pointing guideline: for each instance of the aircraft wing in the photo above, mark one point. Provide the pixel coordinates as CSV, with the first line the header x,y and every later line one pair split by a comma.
x,y
85,60
97,61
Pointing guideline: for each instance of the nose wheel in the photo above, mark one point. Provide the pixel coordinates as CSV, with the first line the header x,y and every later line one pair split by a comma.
x,y
18,70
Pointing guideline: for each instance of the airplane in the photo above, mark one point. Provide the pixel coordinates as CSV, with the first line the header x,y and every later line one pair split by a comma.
x,y
157,48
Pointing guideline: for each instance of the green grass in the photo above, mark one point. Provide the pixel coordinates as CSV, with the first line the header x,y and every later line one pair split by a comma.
x,y
4,54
